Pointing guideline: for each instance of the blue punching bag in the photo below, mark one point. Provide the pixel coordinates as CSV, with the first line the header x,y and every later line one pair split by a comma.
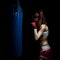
x,y
17,30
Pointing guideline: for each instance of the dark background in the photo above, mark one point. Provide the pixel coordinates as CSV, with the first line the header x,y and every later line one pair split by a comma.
x,y
30,47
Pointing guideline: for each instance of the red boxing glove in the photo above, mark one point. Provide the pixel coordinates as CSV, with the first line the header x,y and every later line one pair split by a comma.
x,y
33,24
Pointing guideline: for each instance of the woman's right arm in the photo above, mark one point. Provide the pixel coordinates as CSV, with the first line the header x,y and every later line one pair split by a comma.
x,y
37,35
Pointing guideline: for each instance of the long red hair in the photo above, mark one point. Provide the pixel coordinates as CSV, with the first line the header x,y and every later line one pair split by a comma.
x,y
42,19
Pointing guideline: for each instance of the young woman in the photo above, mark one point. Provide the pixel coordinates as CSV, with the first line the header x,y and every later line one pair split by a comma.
x,y
41,32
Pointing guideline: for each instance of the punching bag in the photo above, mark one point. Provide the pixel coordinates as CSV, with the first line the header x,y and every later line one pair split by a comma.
x,y
17,30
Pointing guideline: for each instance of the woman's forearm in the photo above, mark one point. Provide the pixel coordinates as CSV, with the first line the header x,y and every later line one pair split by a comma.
x,y
37,35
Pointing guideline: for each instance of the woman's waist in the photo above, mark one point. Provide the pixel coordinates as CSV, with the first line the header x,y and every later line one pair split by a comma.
x,y
44,42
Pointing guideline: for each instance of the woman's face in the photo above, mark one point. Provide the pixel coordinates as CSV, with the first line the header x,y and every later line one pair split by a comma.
x,y
36,17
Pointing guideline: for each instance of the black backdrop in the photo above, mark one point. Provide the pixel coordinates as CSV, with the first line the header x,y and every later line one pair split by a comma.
x,y
28,6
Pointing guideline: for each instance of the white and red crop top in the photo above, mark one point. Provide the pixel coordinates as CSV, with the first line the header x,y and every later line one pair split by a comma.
x,y
45,34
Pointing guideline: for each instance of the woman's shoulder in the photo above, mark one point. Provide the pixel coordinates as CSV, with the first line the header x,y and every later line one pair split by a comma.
x,y
45,26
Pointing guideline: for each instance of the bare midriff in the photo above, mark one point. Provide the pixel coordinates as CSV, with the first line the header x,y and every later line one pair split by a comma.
x,y
44,42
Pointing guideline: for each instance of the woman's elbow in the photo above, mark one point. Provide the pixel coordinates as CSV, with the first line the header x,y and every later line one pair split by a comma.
x,y
36,38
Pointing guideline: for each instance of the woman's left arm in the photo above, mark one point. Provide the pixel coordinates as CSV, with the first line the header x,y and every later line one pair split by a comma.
x,y
46,27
